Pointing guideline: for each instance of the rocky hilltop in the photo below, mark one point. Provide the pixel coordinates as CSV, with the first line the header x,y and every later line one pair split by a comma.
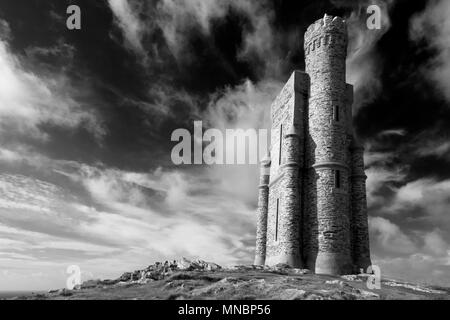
x,y
185,279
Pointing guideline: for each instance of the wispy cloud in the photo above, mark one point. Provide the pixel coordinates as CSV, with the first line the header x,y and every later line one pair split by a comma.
x,y
390,237
433,27
434,143
178,20
364,63
393,132
430,195
408,218
28,100
148,214
128,21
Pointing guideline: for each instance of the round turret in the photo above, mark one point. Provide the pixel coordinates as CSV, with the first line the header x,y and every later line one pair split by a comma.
x,y
325,52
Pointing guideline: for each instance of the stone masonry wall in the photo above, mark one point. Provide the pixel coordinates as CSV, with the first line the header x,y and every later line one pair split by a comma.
x,y
283,229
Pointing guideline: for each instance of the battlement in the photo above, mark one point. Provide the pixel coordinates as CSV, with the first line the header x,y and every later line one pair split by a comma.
x,y
327,24
326,31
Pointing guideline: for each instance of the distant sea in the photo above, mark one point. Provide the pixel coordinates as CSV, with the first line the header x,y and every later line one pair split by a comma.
x,y
12,294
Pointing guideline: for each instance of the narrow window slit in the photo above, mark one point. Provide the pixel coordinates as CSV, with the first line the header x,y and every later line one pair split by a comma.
x,y
281,144
336,113
276,220
337,179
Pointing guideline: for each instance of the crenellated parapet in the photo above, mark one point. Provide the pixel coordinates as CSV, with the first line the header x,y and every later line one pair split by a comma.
x,y
326,32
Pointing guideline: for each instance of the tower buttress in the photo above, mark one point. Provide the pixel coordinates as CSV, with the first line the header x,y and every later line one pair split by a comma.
x,y
261,216
360,228
290,236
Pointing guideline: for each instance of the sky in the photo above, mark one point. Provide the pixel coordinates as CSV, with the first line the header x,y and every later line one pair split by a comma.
x,y
86,117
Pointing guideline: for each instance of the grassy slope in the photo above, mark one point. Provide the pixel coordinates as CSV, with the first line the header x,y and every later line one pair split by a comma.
x,y
248,284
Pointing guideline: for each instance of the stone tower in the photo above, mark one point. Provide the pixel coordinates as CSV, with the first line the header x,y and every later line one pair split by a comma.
x,y
312,210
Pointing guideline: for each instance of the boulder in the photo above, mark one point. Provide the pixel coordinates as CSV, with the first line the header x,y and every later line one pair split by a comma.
x,y
282,266
198,264
109,282
354,277
338,282
243,268
210,266
184,264
64,292
258,267
125,277
293,294
136,275
300,271
90,284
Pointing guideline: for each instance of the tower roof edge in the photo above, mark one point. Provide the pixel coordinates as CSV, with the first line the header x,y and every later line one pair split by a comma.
x,y
326,24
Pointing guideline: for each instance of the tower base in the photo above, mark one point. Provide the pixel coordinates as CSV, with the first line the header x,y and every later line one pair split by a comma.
x,y
362,263
295,261
333,263
259,260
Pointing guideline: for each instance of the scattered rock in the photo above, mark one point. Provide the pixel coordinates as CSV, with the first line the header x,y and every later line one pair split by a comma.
x,y
367,294
183,264
125,277
413,287
342,295
90,284
293,294
282,266
300,271
159,271
338,282
144,281
314,297
186,279
200,265
64,292
230,280
109,282
352,277
242,268
213,266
